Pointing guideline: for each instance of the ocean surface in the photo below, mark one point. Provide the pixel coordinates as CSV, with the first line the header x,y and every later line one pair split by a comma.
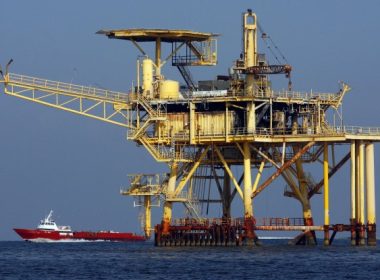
x,y
105,260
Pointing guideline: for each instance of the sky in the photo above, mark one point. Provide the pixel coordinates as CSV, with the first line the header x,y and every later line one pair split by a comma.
x,y
52,159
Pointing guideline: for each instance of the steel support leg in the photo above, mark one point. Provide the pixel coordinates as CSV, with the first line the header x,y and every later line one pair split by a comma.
x,y
353,220
361,194
168,205
326,241
370,184
226,196
148,223
248,211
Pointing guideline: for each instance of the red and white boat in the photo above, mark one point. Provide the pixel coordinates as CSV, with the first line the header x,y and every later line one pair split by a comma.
x,y
48,231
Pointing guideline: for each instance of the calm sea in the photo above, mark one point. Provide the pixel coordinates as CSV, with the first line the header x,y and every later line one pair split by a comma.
x,y
103,260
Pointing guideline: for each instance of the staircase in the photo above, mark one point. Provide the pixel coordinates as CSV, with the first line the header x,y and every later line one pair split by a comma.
x,y
326,129
143,101
187,77
162,153
192,210
153,115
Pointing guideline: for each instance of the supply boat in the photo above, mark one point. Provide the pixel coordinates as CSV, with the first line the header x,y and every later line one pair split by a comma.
x,y
48,231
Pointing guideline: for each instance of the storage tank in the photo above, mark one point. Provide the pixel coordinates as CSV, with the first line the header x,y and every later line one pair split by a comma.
x,y
147,66
169,89
278,119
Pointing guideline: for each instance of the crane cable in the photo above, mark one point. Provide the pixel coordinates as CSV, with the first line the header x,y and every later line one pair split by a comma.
x,y
265,36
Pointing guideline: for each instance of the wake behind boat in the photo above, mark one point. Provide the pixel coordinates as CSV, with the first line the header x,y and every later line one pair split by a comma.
x,y
48,231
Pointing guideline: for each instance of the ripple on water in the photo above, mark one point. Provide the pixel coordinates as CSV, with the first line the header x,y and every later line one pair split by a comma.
x,y
273,260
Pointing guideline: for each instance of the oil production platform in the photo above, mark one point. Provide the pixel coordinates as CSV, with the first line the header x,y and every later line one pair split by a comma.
x,y
217,137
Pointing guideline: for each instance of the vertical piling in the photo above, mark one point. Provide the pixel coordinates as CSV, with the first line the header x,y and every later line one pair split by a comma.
x,y
167,216
326,240
226,196
148,223
370,184
248,211
361,195
353,217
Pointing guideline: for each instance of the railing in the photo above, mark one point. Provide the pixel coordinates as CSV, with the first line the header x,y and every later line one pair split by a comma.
x,y
267,132
166,153
239,221
357,130
146,179
142,190
181,195
324,97
305,95
184,60
207,221
198,53
146,104
68,88
280,222
151,184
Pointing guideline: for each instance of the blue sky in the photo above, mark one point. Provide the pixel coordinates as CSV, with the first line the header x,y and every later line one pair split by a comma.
x,y
55,160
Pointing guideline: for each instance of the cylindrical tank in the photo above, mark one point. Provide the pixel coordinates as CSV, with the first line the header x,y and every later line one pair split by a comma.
x,y
279,119
169,89
147,66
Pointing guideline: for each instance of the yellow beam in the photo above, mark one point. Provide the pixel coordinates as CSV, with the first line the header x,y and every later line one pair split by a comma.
x,y
370,183
148,220
371,208
248,212
288,176
282,168
228,170
184,180
353,181
167,214
105,119
258,176
332,172
357,181
240,148
265,156
326,184
361,193
361,183
192,123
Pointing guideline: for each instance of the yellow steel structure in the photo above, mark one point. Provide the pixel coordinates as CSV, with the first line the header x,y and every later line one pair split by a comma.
x,y
245,125
326,192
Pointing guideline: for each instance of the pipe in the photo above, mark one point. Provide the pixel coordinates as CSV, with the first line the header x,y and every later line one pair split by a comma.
x,y
158,57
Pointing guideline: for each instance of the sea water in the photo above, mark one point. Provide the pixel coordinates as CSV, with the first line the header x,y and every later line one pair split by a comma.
x,y
107,260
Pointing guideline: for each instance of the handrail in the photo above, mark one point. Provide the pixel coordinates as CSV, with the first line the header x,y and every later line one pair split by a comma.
x,y
266,132
239,221
68,88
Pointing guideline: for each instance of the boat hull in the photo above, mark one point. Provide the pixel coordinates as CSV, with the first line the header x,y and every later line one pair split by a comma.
x,y
51,235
